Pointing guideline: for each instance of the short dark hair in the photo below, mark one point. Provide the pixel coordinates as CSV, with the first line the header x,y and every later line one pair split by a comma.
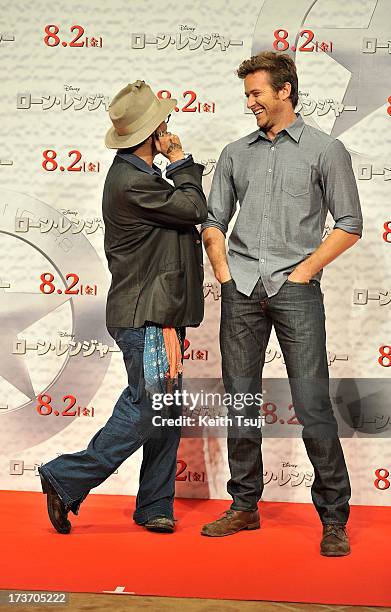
x,y
280,67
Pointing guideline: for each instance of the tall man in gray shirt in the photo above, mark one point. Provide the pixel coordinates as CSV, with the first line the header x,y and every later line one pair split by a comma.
x,y
285,176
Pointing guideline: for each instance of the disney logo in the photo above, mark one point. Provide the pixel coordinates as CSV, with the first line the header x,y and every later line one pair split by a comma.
x,y
68,212
64,334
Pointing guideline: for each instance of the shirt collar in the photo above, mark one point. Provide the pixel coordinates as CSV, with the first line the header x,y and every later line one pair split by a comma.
x,y
139,163
294,130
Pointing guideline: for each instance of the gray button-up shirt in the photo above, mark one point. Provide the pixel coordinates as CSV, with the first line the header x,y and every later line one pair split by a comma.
x,y
284,188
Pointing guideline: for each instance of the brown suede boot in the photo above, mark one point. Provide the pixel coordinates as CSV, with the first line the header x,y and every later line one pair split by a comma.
x,y
232,522
335,541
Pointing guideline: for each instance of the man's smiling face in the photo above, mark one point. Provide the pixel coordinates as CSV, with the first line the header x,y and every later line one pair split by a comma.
x,y
266,103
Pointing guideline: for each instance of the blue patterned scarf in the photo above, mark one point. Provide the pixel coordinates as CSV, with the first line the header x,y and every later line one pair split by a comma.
x,y
155,359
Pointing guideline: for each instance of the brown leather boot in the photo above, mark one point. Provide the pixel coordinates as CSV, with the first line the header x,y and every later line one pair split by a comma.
x,y
335,541
58,515
232,522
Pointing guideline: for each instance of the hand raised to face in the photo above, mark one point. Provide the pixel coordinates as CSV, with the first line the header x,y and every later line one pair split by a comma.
x,y
168,144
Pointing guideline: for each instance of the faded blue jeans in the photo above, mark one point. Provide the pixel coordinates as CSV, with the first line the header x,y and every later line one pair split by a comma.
x,y
129,427
297,314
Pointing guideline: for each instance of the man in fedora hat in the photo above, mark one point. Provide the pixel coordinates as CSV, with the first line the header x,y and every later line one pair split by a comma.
x,y
154,254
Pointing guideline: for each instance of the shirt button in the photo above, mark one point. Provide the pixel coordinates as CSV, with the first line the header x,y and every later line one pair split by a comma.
x,y
269,170
262,261
198,241
272,149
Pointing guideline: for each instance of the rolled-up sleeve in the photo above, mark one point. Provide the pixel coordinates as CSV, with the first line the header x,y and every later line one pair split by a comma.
x,y
222,198
340,188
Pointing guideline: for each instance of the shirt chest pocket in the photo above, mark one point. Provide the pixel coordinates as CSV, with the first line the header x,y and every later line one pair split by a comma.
x,y
296,180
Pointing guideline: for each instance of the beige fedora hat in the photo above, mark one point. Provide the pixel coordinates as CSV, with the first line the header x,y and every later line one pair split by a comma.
x,y
135,113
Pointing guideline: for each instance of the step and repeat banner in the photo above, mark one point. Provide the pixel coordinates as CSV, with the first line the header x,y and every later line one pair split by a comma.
x,y
60,373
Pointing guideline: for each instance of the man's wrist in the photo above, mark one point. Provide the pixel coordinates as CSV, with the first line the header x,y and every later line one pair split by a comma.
x,y
176,157
302,273
222,276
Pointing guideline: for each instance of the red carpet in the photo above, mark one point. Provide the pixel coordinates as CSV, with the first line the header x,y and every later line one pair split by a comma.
x,y
280,562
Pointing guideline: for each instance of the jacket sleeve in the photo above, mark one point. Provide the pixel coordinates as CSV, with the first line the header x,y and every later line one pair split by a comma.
x,y
155,202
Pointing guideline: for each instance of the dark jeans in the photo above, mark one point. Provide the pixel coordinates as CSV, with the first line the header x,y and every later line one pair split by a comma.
x,y
128,428
297,313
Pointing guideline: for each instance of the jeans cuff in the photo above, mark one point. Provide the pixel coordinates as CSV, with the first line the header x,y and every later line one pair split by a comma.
x,y
140,517
238,508
70,504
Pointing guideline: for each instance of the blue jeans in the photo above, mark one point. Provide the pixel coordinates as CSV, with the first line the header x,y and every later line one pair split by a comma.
x,y
297,314
129,427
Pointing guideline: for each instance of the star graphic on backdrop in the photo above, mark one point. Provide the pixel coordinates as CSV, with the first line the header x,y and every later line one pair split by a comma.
x,y
17,312
369,86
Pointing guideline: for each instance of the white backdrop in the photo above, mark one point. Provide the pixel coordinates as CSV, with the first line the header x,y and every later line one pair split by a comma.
x,y
57,82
